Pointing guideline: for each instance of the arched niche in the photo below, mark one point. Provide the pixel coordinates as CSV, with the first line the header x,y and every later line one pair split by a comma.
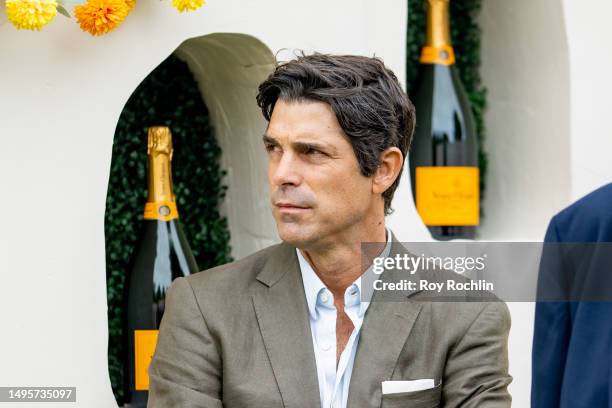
x,y
229,68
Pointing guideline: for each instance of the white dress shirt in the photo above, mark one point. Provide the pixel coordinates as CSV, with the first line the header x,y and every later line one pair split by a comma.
x,y
333,384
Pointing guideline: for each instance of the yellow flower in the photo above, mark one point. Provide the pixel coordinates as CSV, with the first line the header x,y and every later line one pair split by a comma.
x,y
98,17
130,4
187,5
31,14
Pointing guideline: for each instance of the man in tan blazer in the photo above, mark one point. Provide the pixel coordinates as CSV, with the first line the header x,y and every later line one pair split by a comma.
x,y
292,325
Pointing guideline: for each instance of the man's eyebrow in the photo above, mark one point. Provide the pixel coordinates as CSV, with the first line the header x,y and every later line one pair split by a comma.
x,y
301,145
312,145
267,139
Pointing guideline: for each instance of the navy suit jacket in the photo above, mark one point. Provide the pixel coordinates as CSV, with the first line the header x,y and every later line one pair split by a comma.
x,y
572,345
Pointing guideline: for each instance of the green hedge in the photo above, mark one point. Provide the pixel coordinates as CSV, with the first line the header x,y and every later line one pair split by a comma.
x,y
465,34
168,96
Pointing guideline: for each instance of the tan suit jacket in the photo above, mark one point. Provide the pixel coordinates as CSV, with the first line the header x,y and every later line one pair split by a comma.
x,y
238,335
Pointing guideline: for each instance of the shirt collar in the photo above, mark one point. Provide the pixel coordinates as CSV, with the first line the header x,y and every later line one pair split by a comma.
x,y
365,298
313,284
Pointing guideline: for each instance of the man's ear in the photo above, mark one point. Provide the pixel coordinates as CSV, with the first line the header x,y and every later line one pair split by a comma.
x,y
391,161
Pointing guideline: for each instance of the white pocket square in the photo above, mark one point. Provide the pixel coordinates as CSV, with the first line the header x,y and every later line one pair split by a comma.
x,y
394,387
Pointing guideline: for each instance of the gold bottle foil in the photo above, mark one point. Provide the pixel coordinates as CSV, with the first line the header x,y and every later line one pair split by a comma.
x,y
438,47
161,202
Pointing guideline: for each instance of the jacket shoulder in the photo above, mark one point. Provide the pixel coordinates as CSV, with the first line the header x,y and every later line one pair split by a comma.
x,y
469,305
234,275
588,219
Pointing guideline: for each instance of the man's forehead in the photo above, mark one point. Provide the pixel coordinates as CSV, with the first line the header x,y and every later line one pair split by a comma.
x,y
309,121
294,136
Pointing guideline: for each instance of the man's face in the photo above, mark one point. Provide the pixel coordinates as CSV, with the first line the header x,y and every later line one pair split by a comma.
x,y
317,192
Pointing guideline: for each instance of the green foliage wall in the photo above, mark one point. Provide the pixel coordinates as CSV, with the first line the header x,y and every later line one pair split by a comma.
x,y
168,96
465,34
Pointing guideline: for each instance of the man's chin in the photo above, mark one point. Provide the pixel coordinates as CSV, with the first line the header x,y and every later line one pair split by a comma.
x,y
295,237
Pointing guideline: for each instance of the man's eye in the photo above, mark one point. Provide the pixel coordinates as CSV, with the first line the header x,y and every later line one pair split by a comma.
x,y
312,151
270,147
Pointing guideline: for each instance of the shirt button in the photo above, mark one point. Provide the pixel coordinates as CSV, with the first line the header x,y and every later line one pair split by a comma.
x,y
326,346
324,297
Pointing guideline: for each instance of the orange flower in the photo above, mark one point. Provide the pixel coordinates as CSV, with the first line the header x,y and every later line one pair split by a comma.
x,y
130,4
98,17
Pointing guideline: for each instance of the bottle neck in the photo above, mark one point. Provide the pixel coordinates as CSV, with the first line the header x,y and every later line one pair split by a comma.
x,y
160,178
438,47
438,25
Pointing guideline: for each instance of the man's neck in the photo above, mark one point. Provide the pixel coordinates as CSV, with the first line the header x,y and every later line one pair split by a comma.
x,y
339,266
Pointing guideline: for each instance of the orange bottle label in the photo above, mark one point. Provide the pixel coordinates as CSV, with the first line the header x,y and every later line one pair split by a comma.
x,y
144,348
448,195
443,55
160,210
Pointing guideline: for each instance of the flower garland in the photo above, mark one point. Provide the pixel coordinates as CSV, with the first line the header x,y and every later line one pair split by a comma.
x,y
96,17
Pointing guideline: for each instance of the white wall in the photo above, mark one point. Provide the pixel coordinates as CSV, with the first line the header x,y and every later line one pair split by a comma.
x,y
525,67
589,32
549,133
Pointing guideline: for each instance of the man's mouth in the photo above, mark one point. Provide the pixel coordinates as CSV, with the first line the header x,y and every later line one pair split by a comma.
x,y
291,208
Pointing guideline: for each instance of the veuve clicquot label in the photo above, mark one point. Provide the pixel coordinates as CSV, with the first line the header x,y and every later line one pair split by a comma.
x,y
448,195
144,348
444,153
162,254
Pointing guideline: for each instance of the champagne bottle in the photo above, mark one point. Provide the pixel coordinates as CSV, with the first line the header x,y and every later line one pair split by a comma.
x,y
444,153
162,254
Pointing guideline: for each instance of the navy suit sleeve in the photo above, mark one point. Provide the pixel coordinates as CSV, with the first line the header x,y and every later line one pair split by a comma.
x,y
552,329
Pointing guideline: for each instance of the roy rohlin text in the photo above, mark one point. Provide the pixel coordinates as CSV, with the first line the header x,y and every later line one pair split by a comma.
x,y
450,285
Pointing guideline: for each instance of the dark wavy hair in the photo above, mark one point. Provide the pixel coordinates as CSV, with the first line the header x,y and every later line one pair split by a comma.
x,y
370,104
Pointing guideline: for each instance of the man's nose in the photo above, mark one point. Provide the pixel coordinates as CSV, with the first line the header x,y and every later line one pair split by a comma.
x,y
286,170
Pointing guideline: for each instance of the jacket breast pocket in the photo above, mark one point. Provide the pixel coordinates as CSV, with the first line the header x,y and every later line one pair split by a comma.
x,y
429,398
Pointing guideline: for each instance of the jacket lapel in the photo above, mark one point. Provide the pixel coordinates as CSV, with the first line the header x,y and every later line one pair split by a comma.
x,y
283,320
282,315
386,326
